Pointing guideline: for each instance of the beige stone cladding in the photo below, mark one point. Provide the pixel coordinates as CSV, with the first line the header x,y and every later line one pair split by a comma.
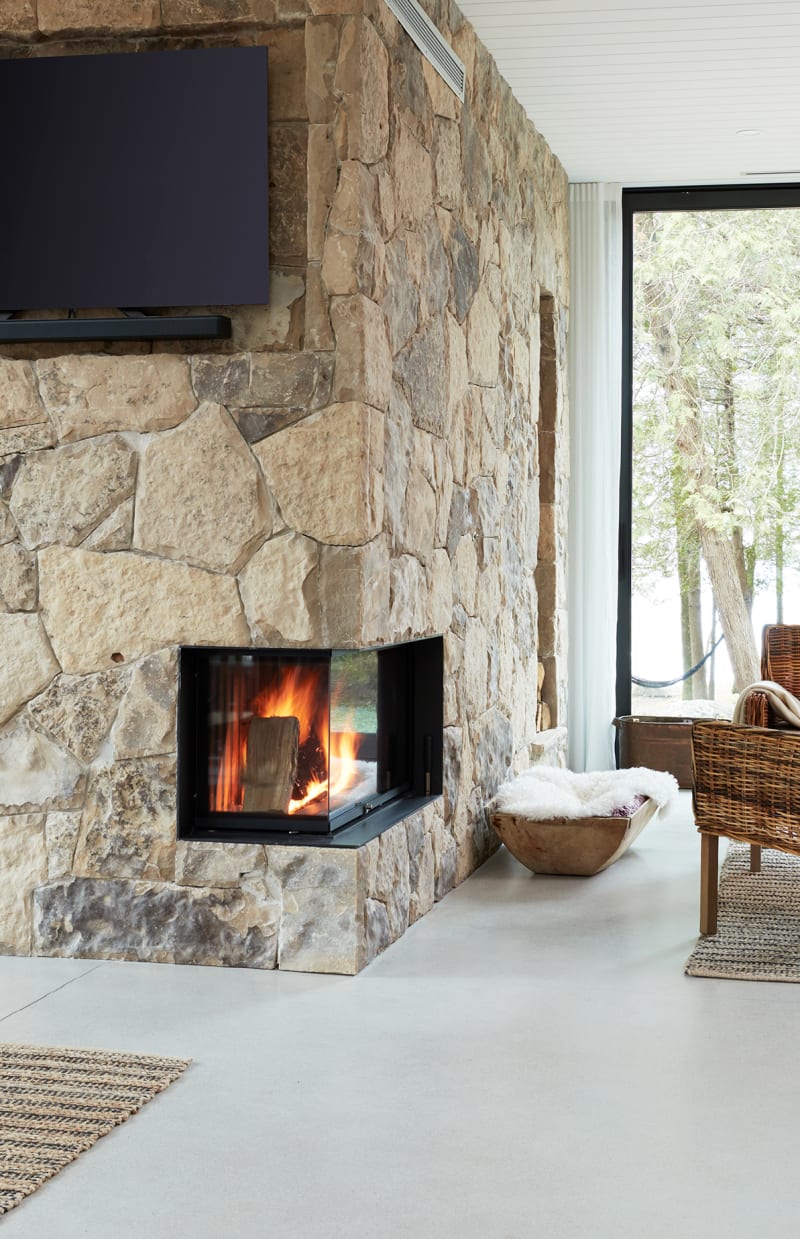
x,y
359,464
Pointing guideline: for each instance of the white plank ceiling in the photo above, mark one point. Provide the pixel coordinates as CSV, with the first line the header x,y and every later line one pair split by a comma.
x,y
651,93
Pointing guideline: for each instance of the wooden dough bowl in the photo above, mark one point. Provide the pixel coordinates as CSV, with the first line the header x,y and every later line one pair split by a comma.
x,y
578,846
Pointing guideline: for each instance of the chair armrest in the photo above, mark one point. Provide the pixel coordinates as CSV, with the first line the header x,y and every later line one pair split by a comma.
x,y
756,711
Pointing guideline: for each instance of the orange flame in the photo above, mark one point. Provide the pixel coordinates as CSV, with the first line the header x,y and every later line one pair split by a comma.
x,y
301,693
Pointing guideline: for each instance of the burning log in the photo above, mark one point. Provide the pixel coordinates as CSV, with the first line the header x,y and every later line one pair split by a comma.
x,y
271,764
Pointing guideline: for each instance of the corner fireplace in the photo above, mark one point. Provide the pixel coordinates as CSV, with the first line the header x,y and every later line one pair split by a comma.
x,y
285,745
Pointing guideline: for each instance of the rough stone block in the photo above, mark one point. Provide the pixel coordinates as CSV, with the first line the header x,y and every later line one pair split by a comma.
x,y
18,17
200,497
97,16
218,865
363,360
362,80
319,925
18,579
62,495
322,51
61,835
422,370
354,593
138,605
19,401
278,588
145,723
155,922
128,824
322,174
483,340
23,867
414,179
27,664
325,474
182,13
34,772
92,395
288,189
78,711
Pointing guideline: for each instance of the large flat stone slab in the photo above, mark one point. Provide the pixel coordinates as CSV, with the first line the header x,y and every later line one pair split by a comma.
x,y
156,922
138,605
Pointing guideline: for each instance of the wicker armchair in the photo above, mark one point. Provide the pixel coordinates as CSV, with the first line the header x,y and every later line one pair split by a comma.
x,y
747,777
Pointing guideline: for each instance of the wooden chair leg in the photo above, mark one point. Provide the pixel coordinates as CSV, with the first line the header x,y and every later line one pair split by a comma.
x,y
709,856
755,858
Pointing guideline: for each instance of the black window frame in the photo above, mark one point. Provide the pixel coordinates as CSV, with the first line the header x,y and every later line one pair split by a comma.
x,y
635,200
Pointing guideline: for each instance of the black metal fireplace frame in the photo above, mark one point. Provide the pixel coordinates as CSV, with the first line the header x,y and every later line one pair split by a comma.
x,y
419,663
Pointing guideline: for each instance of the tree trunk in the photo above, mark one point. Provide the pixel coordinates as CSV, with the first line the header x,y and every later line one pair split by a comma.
x,y
724,566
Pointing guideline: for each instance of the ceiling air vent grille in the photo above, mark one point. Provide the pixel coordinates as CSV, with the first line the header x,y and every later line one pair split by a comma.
x,y
434,48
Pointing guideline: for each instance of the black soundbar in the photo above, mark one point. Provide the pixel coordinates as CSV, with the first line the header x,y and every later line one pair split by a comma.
x,y
144,327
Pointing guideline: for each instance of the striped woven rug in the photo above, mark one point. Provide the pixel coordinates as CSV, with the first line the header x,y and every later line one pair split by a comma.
x,y
55,1103
758,936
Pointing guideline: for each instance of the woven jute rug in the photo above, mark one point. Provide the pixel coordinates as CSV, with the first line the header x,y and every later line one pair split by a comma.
x,y
55,1103
758,936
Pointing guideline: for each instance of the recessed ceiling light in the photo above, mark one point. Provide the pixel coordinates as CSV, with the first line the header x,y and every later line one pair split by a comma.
x,y
749,133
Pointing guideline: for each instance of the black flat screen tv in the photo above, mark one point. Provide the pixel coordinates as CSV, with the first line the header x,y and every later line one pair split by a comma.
x,y
134,180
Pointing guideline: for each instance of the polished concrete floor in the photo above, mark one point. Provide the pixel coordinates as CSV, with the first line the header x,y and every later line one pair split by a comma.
x,y
529,1062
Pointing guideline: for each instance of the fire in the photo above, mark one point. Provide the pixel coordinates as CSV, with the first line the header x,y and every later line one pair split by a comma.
x,y
326,762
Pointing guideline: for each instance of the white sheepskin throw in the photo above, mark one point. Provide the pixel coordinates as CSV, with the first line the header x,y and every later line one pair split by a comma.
x,y
544,793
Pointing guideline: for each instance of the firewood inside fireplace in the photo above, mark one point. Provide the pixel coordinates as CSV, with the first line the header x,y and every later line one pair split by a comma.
x,y
271,764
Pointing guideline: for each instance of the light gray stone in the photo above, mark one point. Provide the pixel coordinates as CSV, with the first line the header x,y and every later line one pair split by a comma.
x,y
62,495
35,773
319,925
27,664
277,586
145,724
128,824
93,394
200,497
77,711
138,605
156,922
23,866
493,739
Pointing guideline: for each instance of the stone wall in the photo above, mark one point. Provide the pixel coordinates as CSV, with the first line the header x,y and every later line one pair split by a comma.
x,y
358,465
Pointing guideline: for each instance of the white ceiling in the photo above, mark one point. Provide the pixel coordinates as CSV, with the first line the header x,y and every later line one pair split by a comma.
x,y
651,93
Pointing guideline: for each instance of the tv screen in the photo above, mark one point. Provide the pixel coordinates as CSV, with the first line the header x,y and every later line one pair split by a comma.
x,y
134,180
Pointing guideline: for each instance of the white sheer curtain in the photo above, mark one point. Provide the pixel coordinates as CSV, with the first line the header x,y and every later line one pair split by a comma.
x,y
595,360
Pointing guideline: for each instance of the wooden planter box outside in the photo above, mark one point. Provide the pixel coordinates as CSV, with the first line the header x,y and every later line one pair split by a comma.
x,y
579,846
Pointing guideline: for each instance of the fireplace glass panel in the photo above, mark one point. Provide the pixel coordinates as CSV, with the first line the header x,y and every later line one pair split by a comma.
x,y
304,742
